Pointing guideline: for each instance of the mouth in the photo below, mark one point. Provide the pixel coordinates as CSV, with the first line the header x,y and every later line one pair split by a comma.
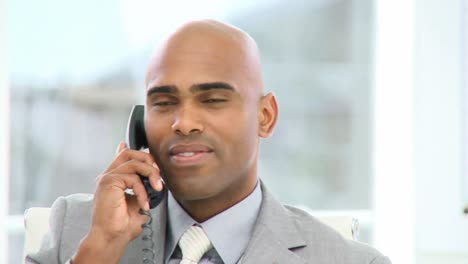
x,y
189,155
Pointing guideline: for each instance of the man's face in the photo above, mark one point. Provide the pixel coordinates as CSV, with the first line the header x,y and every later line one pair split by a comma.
x,y
201,122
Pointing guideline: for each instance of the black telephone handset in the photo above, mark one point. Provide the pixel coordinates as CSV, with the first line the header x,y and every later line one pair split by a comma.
x,y
136,139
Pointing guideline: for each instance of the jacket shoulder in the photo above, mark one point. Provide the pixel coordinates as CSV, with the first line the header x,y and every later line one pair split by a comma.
x,y
76,222
323,242
69,221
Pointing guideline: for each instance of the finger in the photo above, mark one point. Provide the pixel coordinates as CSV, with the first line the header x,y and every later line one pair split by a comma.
x,y
138,167
143,169
156,182
129,154
129,181
120,147
140,192
134,209
138,215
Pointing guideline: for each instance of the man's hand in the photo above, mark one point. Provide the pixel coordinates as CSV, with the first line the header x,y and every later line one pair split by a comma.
x,y
116,218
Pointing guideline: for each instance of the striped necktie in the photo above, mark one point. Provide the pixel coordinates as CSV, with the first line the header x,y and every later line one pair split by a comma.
x,y
194,244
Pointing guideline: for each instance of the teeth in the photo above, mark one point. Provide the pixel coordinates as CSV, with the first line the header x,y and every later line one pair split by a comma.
x,y
187,154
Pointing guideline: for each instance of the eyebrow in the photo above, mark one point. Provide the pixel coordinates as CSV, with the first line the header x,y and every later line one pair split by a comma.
x,y
211,86
162,89
172,89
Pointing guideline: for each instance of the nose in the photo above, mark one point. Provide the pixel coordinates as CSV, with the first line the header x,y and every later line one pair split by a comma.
x,y
187,122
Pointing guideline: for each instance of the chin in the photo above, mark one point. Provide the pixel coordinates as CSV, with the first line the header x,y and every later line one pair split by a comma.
x,y
191,187
192,193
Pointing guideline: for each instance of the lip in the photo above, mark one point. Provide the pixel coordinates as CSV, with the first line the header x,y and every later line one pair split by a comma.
x,y
189,154
180,148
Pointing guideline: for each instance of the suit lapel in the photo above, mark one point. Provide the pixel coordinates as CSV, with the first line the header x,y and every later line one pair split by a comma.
x,y
274,236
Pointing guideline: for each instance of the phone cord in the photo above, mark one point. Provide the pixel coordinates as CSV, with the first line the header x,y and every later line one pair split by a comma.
x,y
148,252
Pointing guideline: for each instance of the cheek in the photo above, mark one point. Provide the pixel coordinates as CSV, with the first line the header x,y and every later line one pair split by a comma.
x,y
156,132
239,136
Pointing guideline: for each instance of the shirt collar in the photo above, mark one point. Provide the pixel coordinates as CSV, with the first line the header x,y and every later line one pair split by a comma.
x,y
228,231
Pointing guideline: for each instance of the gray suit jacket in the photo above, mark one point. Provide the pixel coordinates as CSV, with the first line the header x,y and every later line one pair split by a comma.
x,y
282,234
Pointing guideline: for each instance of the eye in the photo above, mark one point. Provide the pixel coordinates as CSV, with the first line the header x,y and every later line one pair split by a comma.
x,y
214,100
164,103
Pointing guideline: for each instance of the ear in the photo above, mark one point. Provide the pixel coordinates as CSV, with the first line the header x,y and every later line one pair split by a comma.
x,y
267,115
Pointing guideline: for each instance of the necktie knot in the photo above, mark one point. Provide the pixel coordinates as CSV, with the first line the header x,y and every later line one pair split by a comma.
x,y
194,244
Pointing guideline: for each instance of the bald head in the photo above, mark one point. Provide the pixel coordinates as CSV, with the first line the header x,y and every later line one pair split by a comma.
x,y
209,51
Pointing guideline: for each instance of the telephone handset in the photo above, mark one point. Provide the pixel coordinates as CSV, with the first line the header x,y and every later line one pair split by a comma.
x,y
136,139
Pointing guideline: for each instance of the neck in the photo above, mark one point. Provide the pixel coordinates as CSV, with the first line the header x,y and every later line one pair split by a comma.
x,y
203,209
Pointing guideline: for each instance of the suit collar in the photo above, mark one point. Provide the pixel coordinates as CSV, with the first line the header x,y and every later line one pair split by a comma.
x,y
275,234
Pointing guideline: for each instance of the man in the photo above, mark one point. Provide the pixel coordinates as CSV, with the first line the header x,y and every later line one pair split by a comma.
x,y
205,113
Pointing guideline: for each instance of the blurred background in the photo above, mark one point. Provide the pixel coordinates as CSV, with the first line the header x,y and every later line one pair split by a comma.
x,y
372,98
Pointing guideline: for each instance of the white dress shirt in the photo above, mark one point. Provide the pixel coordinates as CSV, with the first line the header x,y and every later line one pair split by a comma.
x,y
228,231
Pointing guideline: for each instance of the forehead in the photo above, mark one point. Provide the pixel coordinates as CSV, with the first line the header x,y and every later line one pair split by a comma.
x,y
184,68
